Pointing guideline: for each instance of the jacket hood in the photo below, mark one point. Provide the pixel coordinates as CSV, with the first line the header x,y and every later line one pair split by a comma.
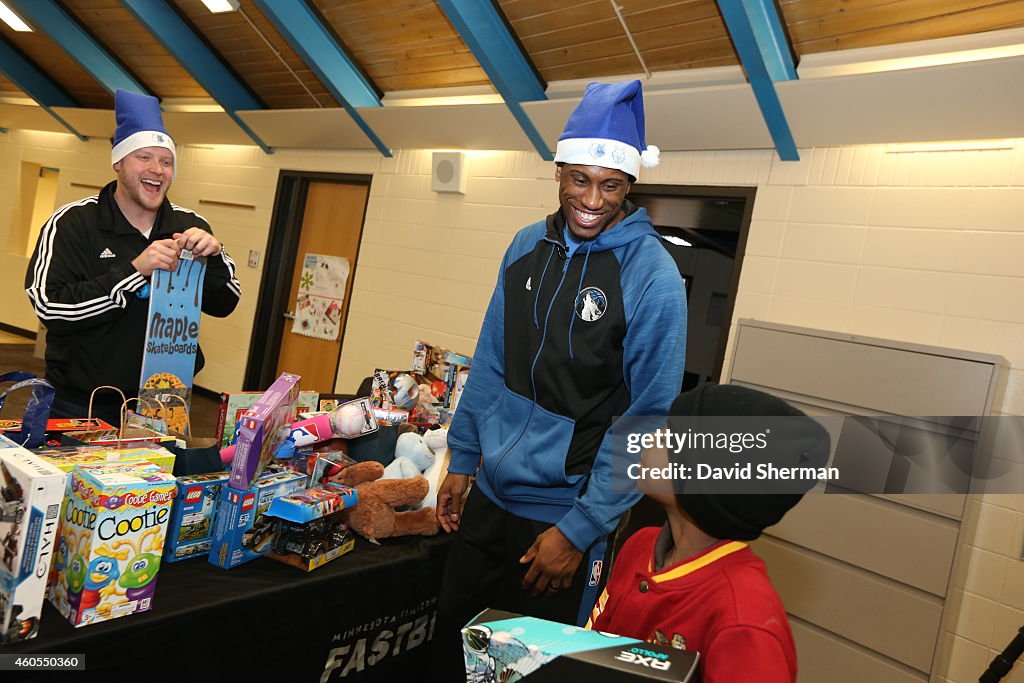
x,y
635,225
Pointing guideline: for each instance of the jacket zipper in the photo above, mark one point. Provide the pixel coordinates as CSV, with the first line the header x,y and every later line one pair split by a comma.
x,y
536,357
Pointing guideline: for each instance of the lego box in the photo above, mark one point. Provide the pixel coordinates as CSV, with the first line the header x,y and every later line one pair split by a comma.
x,y
190,532
243,532
500,646
263,428
112,536
30,494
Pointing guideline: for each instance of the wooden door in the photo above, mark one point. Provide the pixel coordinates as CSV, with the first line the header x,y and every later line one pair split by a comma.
x,y
332,225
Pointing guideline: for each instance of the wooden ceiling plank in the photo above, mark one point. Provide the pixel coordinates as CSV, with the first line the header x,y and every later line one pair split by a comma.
x,y
53,61
805,10
340,10
438,79
657,60
420,17
114,26
432,48
562,17
976,21
522,9
394,68
647,40
902,13
73,38
708,29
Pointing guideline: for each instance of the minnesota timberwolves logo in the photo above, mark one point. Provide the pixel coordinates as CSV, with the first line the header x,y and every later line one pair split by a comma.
x,y
591,304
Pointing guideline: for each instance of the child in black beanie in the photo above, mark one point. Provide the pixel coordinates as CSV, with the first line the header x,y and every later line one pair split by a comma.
x,y
694,584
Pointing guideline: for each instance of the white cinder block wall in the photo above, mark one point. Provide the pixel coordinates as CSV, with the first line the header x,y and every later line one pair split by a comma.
x,y
916,246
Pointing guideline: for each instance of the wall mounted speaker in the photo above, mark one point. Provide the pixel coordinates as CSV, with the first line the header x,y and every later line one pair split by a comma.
x,y
448,172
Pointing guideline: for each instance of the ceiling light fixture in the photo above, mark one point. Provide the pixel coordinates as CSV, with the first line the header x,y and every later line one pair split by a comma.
x,y
13,20
219,6
679,241
950,146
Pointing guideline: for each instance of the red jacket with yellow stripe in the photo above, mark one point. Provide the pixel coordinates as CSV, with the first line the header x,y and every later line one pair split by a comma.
x,y
719,603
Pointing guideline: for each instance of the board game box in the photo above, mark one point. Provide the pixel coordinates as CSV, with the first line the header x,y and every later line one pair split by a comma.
x,y
112,538
30,495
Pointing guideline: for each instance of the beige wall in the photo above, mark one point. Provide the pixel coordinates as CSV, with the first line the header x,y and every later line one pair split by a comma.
x,y
916,246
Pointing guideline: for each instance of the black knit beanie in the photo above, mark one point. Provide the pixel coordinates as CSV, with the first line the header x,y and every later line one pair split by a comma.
x,y
799,441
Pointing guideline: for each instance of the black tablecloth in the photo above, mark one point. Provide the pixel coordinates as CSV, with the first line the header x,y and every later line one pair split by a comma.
x,y
366,616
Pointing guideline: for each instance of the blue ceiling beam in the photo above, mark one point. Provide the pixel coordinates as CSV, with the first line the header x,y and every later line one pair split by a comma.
x,y
737,15
312,41
50,18
34,83
197,59
771,39
488,36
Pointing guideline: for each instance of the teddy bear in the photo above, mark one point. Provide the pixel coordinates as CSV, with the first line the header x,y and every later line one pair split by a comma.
x,y
375,516
412,457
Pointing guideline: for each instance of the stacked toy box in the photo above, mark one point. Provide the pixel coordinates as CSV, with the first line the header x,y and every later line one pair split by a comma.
x,y
112,536
194,516
243,531
30,495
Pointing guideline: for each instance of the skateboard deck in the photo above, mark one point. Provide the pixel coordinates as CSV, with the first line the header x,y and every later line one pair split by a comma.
x,y
172,341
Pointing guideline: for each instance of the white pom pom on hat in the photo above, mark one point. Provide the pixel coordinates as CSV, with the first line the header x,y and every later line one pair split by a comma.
x,y
650,157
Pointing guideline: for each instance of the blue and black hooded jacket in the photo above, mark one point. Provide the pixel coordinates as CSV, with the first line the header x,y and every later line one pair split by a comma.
x,y
570,340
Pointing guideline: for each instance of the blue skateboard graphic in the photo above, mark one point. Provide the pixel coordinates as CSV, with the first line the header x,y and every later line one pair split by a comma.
x,y
172,341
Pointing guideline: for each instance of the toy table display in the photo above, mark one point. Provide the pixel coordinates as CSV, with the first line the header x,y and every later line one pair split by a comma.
x,y
369,616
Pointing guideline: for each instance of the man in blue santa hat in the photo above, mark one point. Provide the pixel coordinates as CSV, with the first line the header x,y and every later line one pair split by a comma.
x,y
95,255
587,322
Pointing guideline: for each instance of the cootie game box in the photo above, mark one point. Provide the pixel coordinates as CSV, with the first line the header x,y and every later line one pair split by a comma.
x,y
112,536
31,491
502,646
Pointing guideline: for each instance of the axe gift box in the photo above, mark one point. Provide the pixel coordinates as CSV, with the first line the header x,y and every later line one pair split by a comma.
x,y
262,429
190,532
242,531
30,494
505,646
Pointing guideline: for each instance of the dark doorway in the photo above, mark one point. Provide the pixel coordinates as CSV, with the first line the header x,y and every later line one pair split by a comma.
x,y
704,229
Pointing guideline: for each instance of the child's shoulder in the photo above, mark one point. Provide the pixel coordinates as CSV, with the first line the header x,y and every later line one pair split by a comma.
x,y
754,597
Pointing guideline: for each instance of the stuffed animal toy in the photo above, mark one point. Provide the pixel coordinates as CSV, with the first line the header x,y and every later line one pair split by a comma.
x,y
375,517
412,457
437,441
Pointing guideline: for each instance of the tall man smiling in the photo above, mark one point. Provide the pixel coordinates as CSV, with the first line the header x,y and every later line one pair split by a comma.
x,y
95,255
587,322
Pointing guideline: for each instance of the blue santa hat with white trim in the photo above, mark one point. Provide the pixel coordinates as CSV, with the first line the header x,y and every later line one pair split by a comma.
x,y
139,124
607,129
